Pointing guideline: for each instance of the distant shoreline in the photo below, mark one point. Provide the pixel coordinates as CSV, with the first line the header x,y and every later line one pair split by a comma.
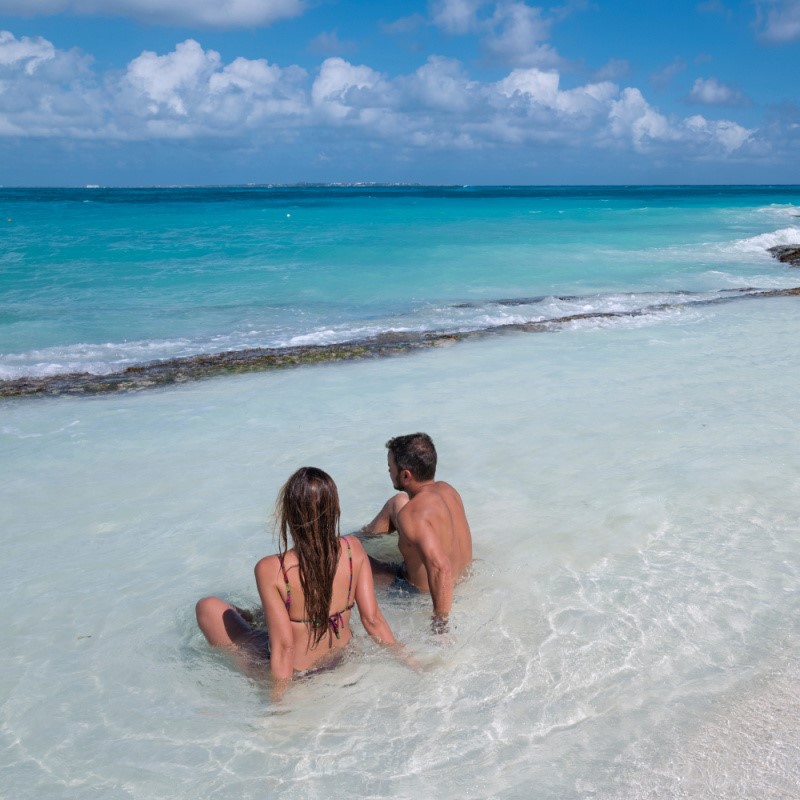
x,y
404,185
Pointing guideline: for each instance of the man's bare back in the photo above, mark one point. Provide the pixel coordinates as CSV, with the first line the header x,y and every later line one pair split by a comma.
x,y
436,506
433,533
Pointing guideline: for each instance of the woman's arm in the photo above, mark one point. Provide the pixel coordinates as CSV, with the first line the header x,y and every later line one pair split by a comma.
x,y
281,639
369,610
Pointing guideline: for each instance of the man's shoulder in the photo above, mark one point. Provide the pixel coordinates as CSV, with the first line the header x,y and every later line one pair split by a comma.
x,y
445,490
424,503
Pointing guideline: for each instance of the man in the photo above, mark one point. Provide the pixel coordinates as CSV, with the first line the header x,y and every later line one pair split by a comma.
x,y
434,536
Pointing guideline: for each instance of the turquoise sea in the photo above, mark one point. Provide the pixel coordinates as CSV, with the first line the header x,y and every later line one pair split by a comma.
x,y
624,436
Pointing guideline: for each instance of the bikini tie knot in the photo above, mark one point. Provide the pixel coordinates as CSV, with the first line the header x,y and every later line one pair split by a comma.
x,y
336,622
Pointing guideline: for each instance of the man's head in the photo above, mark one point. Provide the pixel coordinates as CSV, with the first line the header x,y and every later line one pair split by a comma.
x,y
414,452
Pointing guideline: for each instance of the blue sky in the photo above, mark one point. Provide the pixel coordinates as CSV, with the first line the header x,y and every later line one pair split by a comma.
x,y
161,92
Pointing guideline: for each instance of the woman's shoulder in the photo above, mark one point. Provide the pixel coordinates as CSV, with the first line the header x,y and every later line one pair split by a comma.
x,y
269,566
356,548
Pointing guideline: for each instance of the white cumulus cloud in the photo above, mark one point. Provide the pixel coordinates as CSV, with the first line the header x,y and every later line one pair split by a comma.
x,y
541,88
203,13
28,52
439,84
633,119
518,36
535,85
778,21
725,133
512,32
615,69
341,89
532,107
456,16
711,92
168,83
44,90
191,93
186,93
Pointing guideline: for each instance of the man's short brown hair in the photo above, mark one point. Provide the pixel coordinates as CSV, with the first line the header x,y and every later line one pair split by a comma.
x,y
416,453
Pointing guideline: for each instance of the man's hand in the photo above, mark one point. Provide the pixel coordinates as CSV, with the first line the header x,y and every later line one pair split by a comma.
x,y
439,624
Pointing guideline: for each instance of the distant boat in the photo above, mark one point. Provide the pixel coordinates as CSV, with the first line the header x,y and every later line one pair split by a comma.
x,y
91,186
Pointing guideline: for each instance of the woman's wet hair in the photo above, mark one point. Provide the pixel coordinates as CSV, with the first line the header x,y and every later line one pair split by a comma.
x,y
416,453
307,509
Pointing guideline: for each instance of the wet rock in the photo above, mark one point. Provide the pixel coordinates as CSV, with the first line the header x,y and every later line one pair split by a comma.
x,y
787,253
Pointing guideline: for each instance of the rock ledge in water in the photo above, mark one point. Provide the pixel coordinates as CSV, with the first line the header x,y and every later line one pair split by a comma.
x,y
787,253
391,343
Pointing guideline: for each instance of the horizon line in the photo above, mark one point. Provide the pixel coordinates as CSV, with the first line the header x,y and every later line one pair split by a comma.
x,y
393,185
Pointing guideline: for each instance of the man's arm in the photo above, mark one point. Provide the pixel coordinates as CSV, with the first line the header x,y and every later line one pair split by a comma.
x,y
417,528
386,520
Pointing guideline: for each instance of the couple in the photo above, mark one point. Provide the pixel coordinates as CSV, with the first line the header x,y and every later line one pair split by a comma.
x,y
308,591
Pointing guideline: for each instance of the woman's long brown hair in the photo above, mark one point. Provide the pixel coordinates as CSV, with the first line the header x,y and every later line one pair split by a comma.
x,y
308,509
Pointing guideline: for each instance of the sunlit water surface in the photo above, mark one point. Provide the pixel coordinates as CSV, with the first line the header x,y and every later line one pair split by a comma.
x,y
631,629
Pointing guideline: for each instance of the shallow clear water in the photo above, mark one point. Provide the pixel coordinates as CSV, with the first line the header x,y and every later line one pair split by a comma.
x,y
631,629
97,280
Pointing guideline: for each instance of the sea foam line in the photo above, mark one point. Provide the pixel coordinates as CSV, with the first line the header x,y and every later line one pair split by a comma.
x,y
114,357
189,368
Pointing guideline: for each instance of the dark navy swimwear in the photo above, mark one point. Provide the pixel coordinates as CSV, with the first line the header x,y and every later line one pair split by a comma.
x,y
401,582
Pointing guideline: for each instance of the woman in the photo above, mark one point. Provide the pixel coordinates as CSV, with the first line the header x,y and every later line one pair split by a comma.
x,y
307,591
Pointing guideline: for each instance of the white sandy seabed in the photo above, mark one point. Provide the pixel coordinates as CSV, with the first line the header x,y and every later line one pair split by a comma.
x,y
630,631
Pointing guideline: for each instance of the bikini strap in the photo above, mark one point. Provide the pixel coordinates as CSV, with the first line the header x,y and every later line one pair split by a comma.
x,y
286,581
336,619
349,604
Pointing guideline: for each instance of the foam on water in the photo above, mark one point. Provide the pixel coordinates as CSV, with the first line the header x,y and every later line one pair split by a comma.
x,y
759,244
630,629
780,210
744,254
632,308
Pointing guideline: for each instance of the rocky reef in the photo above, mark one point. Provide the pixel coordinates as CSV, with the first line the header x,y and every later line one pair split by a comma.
x,y
787,254
206,365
